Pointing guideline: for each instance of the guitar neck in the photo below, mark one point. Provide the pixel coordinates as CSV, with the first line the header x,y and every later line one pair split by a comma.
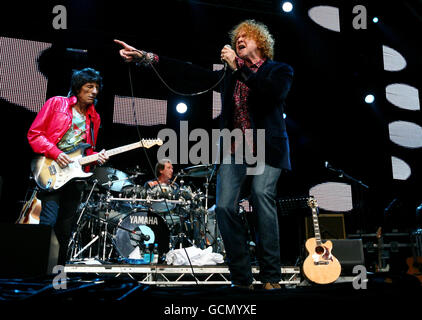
x,y
111,152
316,226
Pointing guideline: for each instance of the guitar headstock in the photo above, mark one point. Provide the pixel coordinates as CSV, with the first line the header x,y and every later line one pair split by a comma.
x,y
312,203
148,143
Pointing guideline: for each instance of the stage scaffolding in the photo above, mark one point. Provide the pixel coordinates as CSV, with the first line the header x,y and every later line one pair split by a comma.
x,y
164,275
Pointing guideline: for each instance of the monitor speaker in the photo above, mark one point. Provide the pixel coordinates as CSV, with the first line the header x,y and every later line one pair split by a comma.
x,y
27,250
349,252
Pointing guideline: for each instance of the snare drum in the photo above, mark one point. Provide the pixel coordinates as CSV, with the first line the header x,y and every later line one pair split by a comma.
x,y
146,223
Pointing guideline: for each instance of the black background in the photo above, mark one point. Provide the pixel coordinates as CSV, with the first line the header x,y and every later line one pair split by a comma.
x,y
327,117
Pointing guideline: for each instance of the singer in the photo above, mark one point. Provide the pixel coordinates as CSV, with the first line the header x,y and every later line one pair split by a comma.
x,y
253,95
60,126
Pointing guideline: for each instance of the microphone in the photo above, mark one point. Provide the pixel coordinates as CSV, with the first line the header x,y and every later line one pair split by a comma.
x,y
76,50
138,236
225,62
391,204
329,167
177,176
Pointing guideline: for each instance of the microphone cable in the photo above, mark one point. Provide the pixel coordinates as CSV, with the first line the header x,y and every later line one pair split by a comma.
x,y
140,138
181,93
139,134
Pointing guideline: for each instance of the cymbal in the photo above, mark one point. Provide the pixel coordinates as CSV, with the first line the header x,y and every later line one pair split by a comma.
x,y
112,178
136,171
201,171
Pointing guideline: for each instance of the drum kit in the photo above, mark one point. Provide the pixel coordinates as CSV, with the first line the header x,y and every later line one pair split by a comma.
x,y
120,221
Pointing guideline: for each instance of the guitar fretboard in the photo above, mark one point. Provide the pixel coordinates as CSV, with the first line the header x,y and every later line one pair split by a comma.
x,y
316,226
314,206
112,152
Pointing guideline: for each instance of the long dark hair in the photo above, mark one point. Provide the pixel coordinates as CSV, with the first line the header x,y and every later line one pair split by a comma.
x,y
80,77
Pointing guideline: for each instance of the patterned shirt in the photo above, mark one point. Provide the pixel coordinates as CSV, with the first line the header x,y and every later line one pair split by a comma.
x,y
76,133
241,118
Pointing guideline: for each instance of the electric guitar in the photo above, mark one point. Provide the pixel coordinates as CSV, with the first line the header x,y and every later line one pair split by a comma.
x,y
415,262
50,176
381,266
320,266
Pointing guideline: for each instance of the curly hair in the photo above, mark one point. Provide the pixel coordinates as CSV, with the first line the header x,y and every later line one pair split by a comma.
x,y
258,32
80,77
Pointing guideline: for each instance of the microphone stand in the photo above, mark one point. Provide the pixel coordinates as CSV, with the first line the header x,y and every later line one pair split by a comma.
x,y
342,174
73,242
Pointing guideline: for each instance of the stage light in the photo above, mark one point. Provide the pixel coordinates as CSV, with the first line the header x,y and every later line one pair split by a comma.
x,y
181,107
375,20
284,116
369,98
287,6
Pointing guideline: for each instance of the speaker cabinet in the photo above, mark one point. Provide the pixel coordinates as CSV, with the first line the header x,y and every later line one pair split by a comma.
x,y
27,250
331,226
349,252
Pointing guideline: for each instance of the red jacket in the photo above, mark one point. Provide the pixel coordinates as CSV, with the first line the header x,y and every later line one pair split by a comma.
x,y
53,121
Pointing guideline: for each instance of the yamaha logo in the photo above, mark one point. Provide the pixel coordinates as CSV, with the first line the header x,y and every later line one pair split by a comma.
x,y
143,220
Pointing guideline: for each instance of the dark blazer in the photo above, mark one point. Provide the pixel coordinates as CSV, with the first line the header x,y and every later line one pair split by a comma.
x,y
268,90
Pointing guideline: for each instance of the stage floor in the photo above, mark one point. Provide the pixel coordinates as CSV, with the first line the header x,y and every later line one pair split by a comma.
x,y
167,292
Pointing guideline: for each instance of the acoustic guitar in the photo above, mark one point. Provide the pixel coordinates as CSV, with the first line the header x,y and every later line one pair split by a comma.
x,y
50,176
320,266
30,213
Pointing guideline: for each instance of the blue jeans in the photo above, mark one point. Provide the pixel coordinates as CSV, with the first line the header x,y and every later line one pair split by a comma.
x,y
58,210
230,178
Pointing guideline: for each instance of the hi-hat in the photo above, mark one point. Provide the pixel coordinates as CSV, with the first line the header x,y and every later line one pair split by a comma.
x,y
135,171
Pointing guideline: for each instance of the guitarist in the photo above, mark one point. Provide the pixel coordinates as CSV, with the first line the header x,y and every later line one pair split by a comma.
x,y
61,125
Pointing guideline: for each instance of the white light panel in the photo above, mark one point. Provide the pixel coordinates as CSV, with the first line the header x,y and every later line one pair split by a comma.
x,y
21,82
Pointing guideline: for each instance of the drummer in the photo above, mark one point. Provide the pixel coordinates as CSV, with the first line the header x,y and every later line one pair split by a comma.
x,y
163,187
163,173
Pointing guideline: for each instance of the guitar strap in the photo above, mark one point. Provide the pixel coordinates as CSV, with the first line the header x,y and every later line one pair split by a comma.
x,y
91,125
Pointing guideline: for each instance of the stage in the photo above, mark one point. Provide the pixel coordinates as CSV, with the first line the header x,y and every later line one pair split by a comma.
x,y
130,290
353,122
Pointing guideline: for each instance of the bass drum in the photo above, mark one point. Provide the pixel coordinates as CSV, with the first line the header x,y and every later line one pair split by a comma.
x,y
141,223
